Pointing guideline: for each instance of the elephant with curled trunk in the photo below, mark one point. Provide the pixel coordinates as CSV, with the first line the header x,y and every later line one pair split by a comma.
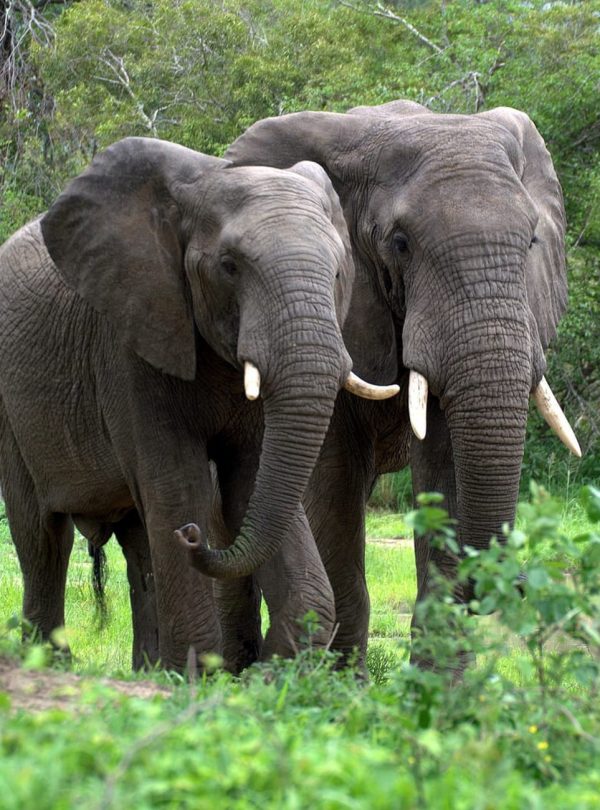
x,y
457,229
127,315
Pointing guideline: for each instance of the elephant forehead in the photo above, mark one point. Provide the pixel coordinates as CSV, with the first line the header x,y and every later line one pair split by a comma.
x,y
443,144
256,182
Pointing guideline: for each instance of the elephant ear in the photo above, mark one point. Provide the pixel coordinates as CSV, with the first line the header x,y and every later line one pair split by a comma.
x,y
318,175
324,138
117,236
546,271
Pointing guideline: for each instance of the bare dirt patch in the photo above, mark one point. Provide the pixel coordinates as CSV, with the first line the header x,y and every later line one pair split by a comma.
x,y
37,690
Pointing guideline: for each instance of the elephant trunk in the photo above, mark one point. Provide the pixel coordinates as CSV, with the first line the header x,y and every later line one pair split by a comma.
x,y
488,356
488,438
299,395
486,400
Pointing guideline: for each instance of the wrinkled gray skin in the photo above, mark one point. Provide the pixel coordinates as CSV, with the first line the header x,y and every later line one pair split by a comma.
x,y
126,313
457,227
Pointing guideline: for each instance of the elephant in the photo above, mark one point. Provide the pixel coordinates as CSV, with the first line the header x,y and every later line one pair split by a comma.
x,y
457,228
128,312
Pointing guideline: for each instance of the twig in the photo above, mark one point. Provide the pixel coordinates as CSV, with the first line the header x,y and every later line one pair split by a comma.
x,y
585,225
144,742
327,647
472,77
577,725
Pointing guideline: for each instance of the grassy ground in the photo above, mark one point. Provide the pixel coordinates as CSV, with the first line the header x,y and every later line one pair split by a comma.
x,y
390,578
295,735
390,575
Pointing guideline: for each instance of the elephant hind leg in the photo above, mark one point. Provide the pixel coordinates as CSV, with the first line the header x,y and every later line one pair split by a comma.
x,y
43,543
133,540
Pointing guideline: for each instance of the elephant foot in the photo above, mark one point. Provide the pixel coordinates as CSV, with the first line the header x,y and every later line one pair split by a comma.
x,y
454,669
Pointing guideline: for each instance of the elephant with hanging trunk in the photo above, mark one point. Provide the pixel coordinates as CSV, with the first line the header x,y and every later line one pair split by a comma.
x,y
457,229
127,315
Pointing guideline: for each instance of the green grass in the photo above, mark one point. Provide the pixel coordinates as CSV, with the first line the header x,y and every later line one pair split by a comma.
x,y
107,651
390,577
386,524
296,734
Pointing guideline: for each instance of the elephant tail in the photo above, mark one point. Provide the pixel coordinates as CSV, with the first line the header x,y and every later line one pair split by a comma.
x,y
99,578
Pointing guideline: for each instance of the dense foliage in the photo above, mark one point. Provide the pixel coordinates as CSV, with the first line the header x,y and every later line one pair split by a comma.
x,y
77,76
520,731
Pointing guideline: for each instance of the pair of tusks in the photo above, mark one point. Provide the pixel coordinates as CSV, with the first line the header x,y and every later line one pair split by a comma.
x,y
542,396
354,384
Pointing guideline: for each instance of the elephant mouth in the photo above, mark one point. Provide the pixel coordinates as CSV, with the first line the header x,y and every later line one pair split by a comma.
x,y
542,395
353,383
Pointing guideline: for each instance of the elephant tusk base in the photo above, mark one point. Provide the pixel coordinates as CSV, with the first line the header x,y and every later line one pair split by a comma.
x,y
366,390
554,416
251,381
417,403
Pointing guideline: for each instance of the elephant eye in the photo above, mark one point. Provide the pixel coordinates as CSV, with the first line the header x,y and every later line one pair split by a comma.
x,y
534,239
228,265
400,242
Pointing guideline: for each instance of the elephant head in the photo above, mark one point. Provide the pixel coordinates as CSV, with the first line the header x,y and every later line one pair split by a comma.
x,y
459,222
172,247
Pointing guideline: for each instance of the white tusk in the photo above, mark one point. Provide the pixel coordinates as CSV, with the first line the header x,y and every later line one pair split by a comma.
x,y
366,390
554,416
251,381
417,403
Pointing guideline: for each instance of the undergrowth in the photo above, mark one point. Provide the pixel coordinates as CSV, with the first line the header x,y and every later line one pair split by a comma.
x,y
301,734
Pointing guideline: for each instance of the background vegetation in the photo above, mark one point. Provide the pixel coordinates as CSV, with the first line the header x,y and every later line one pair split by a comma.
x,y
522,730
76,76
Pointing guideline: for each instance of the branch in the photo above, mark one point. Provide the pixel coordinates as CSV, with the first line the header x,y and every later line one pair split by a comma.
x,y
116,64
591,211
384,12
470,78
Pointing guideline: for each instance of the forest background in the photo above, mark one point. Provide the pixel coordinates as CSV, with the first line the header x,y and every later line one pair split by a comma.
x,y
76,76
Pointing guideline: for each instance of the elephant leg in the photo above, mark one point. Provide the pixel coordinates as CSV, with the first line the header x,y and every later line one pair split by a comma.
x,y
238,600
335,503
43,543
132,538
294,584
176,494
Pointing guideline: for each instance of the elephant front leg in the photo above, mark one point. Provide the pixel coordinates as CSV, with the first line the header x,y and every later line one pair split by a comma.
x,y
296,588
335,504
185,602
43,542
433,471
293,582
238,600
